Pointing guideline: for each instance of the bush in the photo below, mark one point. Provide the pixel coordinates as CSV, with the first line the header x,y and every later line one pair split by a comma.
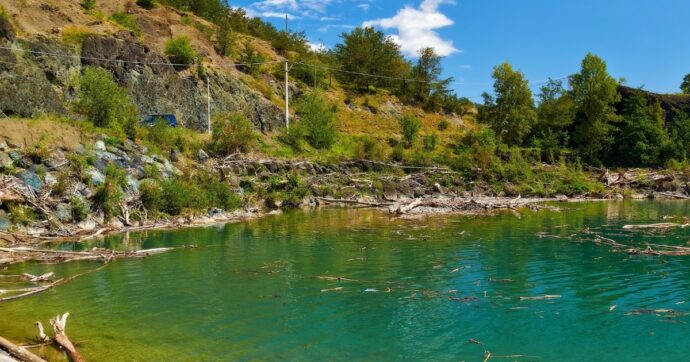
x,y
107,198
103,101
233,134
76,34
21,214
147,4
88,4
443,125
410,128
126,21
370,149
179,50
317,120
79,210
151,195
430,142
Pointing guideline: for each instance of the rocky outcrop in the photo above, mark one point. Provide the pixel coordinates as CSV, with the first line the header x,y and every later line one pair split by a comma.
x,y
670,103
159,88
41,79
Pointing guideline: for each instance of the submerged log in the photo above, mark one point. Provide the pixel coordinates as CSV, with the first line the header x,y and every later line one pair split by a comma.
x,y
656,226
542,297
59,324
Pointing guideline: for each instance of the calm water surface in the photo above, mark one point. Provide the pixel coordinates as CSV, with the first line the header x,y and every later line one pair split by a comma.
x,y
253,291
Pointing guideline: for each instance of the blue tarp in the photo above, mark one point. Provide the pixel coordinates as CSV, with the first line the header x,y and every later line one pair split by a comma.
x,y
170,118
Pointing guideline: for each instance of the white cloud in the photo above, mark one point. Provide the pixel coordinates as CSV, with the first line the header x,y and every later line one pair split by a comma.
x,y
305,8
417,28
327,28
318,47
364,7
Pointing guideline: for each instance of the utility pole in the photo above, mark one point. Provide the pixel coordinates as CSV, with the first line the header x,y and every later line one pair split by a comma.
x,y
208,103
287,85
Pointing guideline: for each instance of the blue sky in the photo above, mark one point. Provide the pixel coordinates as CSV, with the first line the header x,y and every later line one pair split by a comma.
x,y
644,41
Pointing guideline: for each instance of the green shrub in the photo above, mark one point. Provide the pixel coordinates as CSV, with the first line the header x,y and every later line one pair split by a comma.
x,y
317,120
179,50
443,125
21,214
107,198
430,142
79,209
232,134
127,21
151,195
117,175
370,149
88,4
76,34
147,4
410,126
103,101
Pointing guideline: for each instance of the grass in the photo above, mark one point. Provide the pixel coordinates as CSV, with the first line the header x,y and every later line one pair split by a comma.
x,y
76,34
126,21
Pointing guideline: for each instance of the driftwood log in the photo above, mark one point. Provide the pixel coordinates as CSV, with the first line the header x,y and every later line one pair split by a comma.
x,y
19,352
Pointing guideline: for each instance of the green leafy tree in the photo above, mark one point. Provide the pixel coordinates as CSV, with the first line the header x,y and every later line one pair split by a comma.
x,y
316,120
595,93
365,50
512,113
428,88
103,101
685,86
555,114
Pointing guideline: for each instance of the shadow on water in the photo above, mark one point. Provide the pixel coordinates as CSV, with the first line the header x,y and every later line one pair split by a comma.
x,y
408,289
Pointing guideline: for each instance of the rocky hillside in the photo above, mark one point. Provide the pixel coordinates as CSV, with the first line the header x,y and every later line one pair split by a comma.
x,y
38,75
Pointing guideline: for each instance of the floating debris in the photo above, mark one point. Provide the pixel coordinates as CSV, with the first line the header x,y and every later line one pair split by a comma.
x,y
541,297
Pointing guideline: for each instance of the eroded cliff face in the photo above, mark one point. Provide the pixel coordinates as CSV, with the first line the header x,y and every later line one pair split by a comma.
x,y
40,76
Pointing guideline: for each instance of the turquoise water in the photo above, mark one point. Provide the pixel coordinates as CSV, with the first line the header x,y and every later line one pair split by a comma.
x,y
411,290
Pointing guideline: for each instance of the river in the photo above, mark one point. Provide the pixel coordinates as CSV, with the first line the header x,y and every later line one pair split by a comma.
x,y
408,290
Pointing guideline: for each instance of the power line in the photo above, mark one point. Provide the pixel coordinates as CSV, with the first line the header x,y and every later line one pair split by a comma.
x,y
119,60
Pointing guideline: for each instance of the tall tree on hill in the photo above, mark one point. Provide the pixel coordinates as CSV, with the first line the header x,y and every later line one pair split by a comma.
x,y
595,93
427,89
365,50
685,86
556,113
512,113
641,138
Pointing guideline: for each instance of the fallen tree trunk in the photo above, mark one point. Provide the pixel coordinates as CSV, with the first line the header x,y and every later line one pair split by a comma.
x,y
59,324
353,202
656,226
19,352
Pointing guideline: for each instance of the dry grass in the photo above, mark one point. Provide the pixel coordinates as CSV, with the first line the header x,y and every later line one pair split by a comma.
x,y
48,131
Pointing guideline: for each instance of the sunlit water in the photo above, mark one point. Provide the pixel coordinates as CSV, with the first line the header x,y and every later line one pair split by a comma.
x,y
251,291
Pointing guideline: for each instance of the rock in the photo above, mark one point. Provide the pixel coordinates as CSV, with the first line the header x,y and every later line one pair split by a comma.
x,y
116,224
175,156
202,156
80,149
389,191
132,183
87,225
97,177
80,189
3,145
6,31
64,212
50,179
99,146
147,159
5,161
440,189
31,179
5,223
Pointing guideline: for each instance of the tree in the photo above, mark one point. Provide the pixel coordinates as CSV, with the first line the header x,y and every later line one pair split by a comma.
x,y
368,51
595,93
556,112
641,137
512,113
103,101
410,126
316,120
428,89
179,50
685,86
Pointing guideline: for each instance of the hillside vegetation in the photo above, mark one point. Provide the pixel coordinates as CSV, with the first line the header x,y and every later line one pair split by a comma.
x,y
360,100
